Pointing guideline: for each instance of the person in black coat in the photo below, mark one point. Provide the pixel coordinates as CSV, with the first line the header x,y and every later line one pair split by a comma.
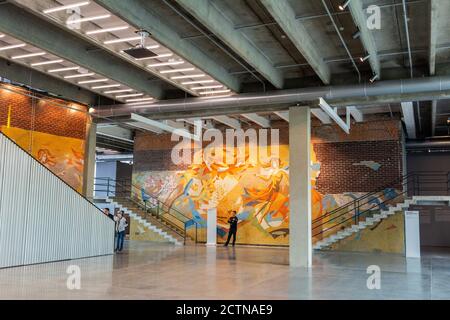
x,y
233,221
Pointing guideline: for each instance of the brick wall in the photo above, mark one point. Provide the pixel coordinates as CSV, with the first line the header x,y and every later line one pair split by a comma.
x,y
41,115
340,155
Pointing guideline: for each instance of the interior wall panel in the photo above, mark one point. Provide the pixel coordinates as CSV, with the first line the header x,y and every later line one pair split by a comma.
x,y
41,218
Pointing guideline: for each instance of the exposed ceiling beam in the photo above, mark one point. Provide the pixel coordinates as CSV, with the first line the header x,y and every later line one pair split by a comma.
x,y
333,115
322,116
260,121
285,16
283,115
232,123
433,117
355,113
35,79
26,27
359,17
205,12
166,125
409,120
434,29
139,14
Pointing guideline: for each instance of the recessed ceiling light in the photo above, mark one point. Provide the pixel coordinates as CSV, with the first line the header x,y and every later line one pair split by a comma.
x,y
106,86
29,55
63,69
69,6
188,76
198,81
80,75
177,70
1,35
214,92
103,16
156,46
130,95
216,97
92,81
118,91
43,63
107,30
162,64
122,40
13,46
139,100
208,87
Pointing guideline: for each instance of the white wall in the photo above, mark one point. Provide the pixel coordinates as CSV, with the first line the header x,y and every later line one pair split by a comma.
x,y
41,218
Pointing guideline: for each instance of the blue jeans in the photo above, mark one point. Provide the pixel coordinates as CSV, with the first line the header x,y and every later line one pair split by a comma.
x,y
120,239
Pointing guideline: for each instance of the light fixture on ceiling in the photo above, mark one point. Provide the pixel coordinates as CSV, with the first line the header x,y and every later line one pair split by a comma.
x,y
87,19
130,95
217,97
448,120
198,81
43,63
189,76
176,70
140,51
13,46
363,59
214,92
356,34
374,78
66,7
79,75
92,81
344,5
118,91
28,55
2,35
63,69
139,100
218,86
163,64
122,40
112,29
106,86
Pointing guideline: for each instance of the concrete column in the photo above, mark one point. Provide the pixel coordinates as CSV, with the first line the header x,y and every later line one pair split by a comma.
x,y
89,159
300,246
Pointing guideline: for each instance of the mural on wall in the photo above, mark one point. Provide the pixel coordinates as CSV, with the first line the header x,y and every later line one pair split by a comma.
x,y
62,155
259,193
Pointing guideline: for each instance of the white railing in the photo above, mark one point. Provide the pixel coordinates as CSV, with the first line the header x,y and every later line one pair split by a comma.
x,y
42,219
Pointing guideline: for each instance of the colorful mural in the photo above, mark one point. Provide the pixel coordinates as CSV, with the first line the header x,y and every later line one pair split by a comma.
x,y
63,156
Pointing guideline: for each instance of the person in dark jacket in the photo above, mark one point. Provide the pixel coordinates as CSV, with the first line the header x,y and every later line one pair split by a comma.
x,y
233,221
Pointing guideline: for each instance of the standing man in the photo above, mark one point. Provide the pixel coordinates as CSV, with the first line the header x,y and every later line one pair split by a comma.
x,y
233,221
121,227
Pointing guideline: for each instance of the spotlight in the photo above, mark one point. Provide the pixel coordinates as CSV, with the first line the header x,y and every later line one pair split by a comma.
x,y
356,35
374,78
91,110
448,121
363,59
344,5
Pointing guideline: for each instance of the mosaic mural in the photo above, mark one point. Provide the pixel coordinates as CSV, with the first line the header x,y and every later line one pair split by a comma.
x,y
62,155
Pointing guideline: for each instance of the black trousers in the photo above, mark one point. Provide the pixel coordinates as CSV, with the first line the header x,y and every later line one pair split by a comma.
x,y
232,232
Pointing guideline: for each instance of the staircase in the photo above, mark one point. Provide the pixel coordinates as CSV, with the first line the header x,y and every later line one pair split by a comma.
x,y
371,208
156,225
148,210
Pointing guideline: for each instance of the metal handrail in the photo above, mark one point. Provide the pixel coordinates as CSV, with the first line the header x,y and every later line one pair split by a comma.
x,y
129,190
354,206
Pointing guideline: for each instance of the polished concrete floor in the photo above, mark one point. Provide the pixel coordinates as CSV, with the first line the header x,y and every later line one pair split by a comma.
x,y
150,271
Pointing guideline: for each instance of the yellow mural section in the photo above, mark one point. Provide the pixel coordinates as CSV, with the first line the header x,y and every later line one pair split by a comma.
x,y
259,193
63,156
387,236
139,232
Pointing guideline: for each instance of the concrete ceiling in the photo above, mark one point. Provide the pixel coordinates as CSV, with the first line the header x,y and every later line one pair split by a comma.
x,y
268,46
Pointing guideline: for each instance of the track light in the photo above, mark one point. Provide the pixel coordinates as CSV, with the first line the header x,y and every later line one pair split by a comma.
x,y
363,59
344,5
374,78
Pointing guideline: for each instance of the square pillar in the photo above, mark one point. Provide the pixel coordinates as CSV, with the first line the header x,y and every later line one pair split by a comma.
x,y
300,238
89,159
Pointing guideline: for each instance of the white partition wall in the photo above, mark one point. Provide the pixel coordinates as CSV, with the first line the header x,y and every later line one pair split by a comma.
x,y
41,218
